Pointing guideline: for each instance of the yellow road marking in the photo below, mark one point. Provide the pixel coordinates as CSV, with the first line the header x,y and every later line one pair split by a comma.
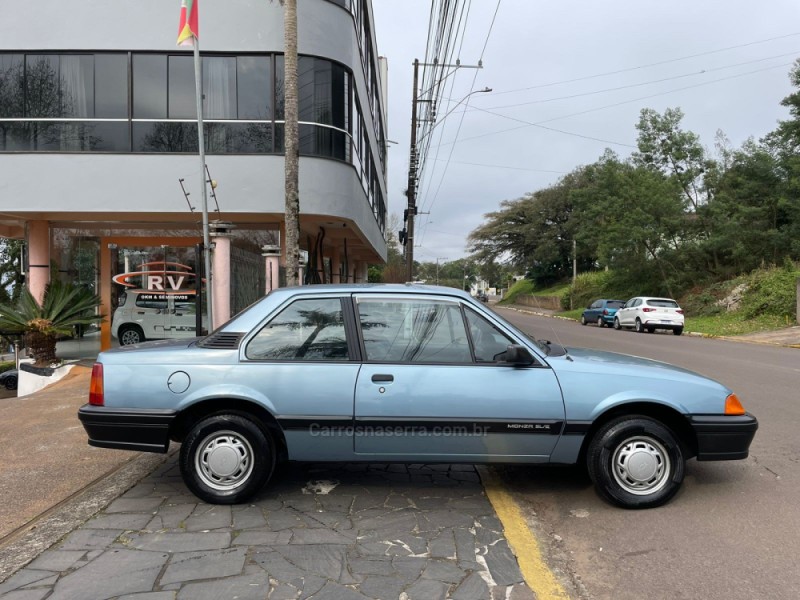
x,y
534,569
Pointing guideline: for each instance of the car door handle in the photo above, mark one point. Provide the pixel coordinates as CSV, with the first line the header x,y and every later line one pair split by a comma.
x,y
378,378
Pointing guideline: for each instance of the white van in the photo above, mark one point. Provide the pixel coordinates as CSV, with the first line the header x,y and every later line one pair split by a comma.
x,y
145,315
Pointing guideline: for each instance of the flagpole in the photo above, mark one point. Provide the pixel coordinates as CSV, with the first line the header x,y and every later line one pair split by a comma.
x,y
198,85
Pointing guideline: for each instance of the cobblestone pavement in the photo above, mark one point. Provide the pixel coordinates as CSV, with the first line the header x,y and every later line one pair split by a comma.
x,y
339,532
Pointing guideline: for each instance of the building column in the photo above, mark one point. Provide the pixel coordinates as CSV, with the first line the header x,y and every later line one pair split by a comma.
x,y
336,265
221,269
361,272
272,260
38,275
301,271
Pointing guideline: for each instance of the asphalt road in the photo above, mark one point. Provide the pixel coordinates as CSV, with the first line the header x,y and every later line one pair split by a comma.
x,y
732,530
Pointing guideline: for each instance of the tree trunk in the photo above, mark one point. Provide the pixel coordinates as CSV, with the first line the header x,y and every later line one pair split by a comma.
x,y
291,135
43,348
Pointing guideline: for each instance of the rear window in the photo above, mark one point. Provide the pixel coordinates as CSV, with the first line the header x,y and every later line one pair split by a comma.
x,y
662,303
615,304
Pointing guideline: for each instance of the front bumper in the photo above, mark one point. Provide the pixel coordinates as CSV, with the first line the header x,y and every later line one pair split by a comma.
x,y
127,428
723,437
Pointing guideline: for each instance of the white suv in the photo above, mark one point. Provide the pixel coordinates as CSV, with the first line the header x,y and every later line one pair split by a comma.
x,y
145,315
648,314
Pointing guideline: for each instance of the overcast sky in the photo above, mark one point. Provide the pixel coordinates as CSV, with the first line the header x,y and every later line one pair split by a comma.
x,y
748,45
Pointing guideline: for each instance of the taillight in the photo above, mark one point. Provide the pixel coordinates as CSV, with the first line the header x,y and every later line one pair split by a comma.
x,y
605,311
96,396
733,406
679,311
648,310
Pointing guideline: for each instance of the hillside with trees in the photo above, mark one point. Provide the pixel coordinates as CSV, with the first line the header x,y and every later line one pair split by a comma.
x,y
670,218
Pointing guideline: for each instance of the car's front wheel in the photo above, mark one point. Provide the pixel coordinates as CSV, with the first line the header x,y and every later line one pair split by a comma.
x,y
226,459
617,325
130,334
636,462
583,320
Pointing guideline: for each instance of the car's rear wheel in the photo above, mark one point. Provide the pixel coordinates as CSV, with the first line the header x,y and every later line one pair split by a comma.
x,y
10,382
583,320
636,462
130,334
226,459
617,325
638,326
600,322
677,330
651,330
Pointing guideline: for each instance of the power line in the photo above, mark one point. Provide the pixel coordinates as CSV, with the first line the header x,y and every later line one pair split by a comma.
x,y
540,124
644,83
461,121
647,66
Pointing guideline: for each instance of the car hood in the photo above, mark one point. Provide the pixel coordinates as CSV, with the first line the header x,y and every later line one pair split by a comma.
x,y
586,359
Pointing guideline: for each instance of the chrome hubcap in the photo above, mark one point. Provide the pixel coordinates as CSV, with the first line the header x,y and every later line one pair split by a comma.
x,y
224,460
641,465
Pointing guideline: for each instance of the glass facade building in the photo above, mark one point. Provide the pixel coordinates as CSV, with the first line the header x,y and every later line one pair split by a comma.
x,y
99,140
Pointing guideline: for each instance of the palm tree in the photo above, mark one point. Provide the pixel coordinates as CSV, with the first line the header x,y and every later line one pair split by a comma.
x,y
291,133
63,307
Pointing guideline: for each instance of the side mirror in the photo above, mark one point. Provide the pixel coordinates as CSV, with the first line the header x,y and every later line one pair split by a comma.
x,y
518,355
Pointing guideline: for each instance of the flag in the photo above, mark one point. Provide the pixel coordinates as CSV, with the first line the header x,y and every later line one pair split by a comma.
x,y
188,28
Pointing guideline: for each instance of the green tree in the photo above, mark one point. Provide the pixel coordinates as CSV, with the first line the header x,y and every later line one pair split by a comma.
x,y
11,278
63,307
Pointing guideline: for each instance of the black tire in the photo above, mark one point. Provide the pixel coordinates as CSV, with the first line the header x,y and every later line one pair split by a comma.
x,y
130,334
600,322
677,331
583,319
241,469
617,326
638,326
655,453
10,382
651,330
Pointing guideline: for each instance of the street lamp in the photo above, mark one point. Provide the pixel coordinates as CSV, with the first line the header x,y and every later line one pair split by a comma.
x,y
485,90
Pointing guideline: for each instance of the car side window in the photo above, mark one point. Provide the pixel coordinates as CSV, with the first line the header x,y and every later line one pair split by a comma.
x,y
489,342
157,301
308,330
416,331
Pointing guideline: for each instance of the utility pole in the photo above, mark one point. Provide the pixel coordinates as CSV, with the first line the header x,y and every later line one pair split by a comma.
x,y
413,162
438,258
412,180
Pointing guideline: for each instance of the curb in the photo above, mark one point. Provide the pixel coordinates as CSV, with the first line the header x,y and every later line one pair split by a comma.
x,y
21,546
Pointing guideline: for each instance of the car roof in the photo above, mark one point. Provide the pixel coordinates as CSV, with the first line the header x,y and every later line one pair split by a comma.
x,y
374,288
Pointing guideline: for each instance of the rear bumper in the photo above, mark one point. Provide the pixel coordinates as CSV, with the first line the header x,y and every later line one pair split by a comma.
x,y
126,428
723,437
657,324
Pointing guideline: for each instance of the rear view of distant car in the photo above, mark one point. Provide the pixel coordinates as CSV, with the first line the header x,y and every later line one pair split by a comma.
x,y
648,314
601,312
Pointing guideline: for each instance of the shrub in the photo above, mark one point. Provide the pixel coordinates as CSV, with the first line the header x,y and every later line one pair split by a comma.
x,y
771,292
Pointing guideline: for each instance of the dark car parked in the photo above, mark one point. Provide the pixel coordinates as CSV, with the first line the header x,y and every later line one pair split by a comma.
x,y
601,312
8,379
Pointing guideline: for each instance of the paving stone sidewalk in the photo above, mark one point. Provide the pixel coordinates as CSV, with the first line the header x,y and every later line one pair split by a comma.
x,y
340,532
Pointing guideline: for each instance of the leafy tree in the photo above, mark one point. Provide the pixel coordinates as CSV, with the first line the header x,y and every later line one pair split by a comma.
x,y
11,279
63,307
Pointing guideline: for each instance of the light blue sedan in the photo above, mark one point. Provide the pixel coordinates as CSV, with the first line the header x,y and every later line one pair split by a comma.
x,y
402,373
